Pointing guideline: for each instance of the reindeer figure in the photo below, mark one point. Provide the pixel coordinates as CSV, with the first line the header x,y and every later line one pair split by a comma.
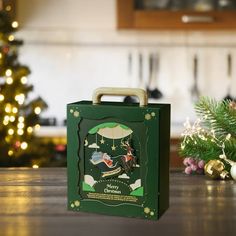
x,y
128,160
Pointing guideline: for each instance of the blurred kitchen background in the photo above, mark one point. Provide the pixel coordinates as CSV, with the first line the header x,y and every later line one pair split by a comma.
x,y
176,49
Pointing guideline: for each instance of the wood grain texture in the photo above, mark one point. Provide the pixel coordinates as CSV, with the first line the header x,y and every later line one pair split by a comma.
x,y
125,16
33,202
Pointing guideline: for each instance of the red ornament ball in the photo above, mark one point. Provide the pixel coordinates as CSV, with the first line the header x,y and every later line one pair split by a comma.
x,y
17,144
5,49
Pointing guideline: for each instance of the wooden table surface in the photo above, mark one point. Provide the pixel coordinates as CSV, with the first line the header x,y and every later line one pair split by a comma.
x,y
33,202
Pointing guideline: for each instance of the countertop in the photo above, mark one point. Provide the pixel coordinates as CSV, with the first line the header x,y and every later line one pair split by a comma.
x,y
33,202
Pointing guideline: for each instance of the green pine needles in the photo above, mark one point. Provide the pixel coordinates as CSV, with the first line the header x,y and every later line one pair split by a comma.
x,y
214,133
219,116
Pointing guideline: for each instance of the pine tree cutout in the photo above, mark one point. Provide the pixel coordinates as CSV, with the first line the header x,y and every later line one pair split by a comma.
x,y
19,115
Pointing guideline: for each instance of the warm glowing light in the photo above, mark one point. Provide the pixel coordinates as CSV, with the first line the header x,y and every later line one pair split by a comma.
x,y
37,110
8,72
20,98
10,131
9,80
14,24
12,118
7,118
0,55
5,122
7,139
20,125
29,129
14,110
37,127
8,8
23,80
21,119
24,145
11,37
10,153
20,131
1,97
35,166
8,108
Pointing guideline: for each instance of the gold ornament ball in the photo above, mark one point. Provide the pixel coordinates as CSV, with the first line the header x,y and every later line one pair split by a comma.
x,y
215,169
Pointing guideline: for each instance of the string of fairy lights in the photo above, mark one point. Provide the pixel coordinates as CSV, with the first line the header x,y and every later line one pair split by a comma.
x,y
196,130
13,119
11,112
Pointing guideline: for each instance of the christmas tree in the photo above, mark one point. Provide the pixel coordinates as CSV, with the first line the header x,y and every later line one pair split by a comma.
x,y
213,135
19,115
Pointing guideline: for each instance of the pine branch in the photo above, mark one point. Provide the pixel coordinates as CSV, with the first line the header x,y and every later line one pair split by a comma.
x,y
217,116
197,148
207,149
230,149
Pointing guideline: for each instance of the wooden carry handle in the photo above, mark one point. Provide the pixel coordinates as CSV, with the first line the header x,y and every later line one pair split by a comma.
x,y
140,93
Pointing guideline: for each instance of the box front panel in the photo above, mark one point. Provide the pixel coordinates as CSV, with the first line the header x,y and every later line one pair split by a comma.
x,y
111,168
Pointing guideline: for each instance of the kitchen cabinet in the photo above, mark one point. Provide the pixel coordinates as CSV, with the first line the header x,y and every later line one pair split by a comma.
x,y
176,14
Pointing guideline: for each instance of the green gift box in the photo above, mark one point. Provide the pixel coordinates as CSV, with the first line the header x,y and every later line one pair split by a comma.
x,y
118,155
